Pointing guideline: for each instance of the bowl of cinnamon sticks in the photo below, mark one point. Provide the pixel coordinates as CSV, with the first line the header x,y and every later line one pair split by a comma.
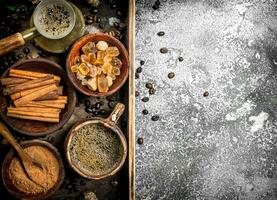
x,y
37,98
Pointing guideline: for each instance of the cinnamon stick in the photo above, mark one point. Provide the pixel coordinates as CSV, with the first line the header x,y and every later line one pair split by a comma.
x,y
24,100
44,119
45,105
34,109
35,114
56,101
51,95
12,81
30,74
47,80
23,93
62,97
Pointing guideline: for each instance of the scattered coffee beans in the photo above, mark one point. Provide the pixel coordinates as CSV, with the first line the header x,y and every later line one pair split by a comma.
x,y
145,112
206,94
155,118
164,50
171,75
140,141
145,99
161,33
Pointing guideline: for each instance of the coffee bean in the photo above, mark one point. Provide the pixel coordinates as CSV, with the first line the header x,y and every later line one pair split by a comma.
x,y
21,9
26,50
98,19
101,25
155,118
42,54
142,62
121,26
145,99
88,110
140,141
114,183
68,186
161,33
149,85
164,50
113,6
93,10
139,70
50,139
152,91
145,112
15,16
89,17
116,24
155,7
89,21
97,106
102,103
111,98
95,113
137,93
181,59
23,17
118,13
157,2
136,75
87,103
206,94
111,104
171,75
102,112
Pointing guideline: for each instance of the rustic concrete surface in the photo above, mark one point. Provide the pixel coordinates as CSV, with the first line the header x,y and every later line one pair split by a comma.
x,y
218,147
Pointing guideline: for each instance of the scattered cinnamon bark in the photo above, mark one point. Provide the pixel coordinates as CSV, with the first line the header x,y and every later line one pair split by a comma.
x,y
36,96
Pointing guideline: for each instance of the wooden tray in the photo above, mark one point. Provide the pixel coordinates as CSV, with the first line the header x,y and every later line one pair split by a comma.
x,y
122,185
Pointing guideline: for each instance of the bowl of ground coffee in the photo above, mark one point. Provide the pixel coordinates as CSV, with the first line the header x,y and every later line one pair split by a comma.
x,y
47,180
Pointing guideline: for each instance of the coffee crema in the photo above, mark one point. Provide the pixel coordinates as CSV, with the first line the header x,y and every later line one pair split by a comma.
x,y
95,149
54,20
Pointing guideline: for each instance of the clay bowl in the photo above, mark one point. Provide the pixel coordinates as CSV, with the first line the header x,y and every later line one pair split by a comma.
x,y
36,128
111,123
8,182
76,50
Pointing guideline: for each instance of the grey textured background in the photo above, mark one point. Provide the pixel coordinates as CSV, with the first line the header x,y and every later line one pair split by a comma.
x,y
218,147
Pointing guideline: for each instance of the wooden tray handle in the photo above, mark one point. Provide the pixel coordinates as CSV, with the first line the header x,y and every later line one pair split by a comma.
x,y
11,42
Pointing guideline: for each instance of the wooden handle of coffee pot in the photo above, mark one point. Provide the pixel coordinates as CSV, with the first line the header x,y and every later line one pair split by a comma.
x,y
11,42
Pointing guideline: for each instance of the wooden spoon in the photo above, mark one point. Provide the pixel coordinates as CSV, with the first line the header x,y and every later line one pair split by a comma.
x,y
27,161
